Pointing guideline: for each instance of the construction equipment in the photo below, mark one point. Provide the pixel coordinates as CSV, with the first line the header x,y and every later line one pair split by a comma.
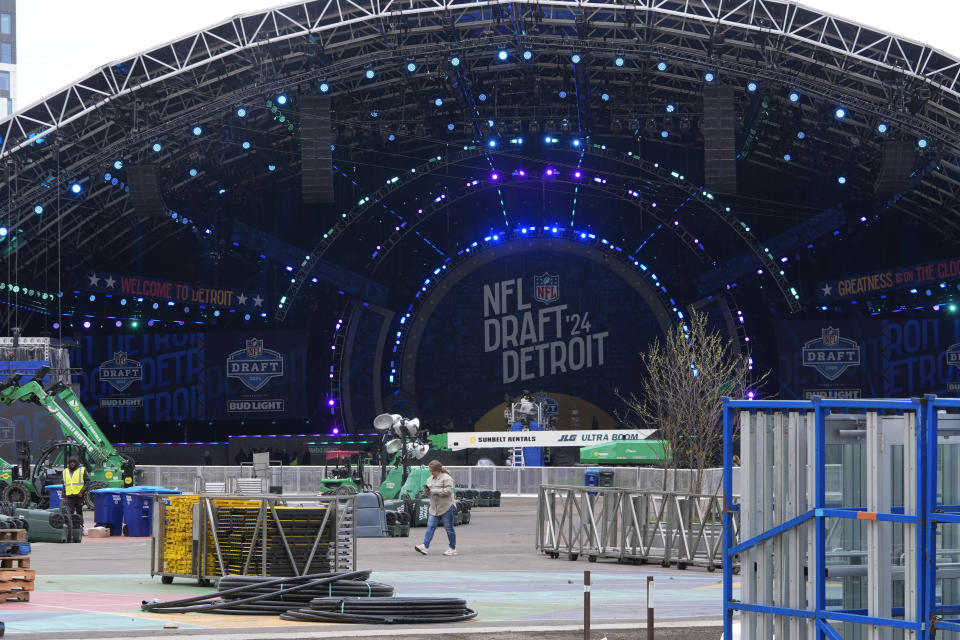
x,y
626,452
345,478
83,439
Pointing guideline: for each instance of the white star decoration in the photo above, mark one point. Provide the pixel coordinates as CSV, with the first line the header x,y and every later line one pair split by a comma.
x,y
827,289
94,280
241,299
258,301
110,281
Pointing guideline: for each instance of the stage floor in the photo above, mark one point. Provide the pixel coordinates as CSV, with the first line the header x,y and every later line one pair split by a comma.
x,y
94,589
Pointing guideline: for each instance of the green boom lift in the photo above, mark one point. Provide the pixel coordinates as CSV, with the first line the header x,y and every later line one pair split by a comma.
x,y
83,439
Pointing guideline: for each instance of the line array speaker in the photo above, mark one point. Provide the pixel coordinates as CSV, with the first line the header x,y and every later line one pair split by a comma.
x,y
895,167
316,159
719,139
144,191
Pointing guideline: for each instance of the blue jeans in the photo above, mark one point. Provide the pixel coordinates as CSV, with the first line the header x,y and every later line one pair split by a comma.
x,y
447,520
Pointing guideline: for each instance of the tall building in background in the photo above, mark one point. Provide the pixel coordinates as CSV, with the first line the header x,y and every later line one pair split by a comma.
x,y
8,57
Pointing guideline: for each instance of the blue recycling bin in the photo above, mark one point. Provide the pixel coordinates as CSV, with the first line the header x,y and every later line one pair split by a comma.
x,y
108,509
591,478
55,491
138,509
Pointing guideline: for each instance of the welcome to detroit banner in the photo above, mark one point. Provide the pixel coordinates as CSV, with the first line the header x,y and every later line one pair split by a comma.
x,y
193,376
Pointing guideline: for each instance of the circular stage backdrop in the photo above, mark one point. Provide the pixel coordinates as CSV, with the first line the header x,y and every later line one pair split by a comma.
x,y
540,315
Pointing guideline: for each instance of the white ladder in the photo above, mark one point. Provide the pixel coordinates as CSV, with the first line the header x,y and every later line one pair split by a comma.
x,y
518,460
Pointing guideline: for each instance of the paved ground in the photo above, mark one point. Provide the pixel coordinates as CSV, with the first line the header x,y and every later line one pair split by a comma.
x,y
94,589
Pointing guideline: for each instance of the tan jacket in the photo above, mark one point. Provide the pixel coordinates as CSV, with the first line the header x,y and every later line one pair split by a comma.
x,y
440,493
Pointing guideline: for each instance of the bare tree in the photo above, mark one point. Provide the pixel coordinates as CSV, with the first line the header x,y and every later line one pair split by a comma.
x,y
687,374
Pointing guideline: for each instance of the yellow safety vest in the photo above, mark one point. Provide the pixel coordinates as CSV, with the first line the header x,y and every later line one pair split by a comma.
x,y
72,482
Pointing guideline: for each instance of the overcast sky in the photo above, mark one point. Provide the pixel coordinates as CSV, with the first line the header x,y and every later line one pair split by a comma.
x,y
61,41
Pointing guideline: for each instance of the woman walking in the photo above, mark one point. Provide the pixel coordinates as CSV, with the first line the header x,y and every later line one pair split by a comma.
x,y
440,490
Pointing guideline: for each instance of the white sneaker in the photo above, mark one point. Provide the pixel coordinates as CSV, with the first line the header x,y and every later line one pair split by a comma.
x,y
450,552
422,549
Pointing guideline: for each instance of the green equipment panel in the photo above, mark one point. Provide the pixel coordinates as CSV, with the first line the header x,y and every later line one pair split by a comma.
x,y
652,452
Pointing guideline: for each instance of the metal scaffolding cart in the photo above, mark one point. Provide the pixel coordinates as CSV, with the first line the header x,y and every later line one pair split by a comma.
x,y
207,536
849,519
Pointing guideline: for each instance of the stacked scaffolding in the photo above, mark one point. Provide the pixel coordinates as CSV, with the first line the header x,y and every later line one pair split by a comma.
x,y
848,519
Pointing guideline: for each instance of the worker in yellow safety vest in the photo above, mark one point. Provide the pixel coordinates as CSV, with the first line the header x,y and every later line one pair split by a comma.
x,y
75,485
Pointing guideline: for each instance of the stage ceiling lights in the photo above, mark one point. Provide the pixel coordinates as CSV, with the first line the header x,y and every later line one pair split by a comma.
x,y
192,173
76,188
576,58
752,86
197,130
118,164
839,113
709,76
38,209
794,96
883,127
3,233
619,61
528,55
841,180
157,147
411,67
241,112
922,143
324,87
662,66
282,99
455,61
502,55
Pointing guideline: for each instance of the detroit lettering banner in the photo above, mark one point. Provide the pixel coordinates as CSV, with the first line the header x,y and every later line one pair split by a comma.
x,y
869,358
193,376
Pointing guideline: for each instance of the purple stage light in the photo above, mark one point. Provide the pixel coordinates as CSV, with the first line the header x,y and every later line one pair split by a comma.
x,y
331,402
751,395
522,173
494,176
119,324
150,323
549,172
56,325
577,174
86,324
336,431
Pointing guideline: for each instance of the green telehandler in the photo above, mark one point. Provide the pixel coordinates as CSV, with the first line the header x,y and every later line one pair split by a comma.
x,y
83,439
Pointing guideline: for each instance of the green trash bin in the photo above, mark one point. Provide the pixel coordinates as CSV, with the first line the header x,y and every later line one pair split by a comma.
x,y
606,478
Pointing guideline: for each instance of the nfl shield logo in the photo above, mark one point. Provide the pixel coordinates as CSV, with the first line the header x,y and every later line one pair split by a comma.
x,y
254,347
831,336
120,358
546,288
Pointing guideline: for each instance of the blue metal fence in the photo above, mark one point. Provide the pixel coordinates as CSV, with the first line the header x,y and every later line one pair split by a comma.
x,y
923,611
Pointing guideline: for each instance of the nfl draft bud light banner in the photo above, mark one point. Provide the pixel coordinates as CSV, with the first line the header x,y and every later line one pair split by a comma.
x,y
869,358
193,376
555,322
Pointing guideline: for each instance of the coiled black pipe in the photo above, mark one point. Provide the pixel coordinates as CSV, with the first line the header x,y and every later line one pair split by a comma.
x,y
274,592
383,610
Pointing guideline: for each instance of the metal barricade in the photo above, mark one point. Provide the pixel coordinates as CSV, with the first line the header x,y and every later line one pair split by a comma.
x,y
628,525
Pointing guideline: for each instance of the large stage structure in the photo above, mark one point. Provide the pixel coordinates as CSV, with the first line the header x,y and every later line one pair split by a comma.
x,y
465,131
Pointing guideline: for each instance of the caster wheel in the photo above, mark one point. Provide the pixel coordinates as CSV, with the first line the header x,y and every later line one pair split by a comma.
x,y
643,561
204,582
711,568
681,565
554,555
572,556
166,579
665,564
637,562
591,558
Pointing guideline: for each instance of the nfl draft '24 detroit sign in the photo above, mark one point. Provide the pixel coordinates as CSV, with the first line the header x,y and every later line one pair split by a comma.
x,y
830,354
254,366
121,372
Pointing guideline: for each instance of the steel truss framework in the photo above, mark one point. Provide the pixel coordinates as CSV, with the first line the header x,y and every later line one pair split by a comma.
x,y
646,169
121,108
